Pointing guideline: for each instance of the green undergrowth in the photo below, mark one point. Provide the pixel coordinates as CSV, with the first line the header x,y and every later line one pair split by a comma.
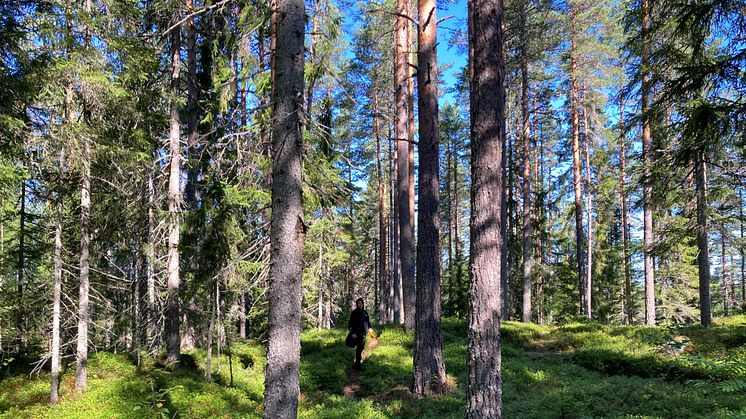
x,y
573,371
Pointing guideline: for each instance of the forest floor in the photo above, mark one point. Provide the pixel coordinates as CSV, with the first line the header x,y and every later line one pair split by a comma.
x,y
572,371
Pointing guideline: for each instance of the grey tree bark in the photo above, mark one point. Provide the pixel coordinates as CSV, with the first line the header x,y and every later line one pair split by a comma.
x,y
81,364
703,257
173,320
55,367
287,231
576,176
647,144
588,210
150,255
626,263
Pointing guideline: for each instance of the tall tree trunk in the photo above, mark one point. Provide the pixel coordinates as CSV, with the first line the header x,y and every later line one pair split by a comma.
x,y
396,284
741,247
455,205
577,179
487,107
539,202
550,253
320,315
56,313
81,379
21,312
243,316
173,320
55,368
429,367
401,133
449,203
393,239
152,315
135,300
526,151
507,223
626,264
410,294
703,257
288,230
210,332
383,262
312,58
647,144
724,270
85,208
589,210
191,108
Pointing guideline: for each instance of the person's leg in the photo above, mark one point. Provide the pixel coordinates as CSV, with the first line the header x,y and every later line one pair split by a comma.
x,y
359,351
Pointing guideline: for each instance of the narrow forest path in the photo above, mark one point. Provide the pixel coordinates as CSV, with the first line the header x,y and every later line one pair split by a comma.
x,y
352,385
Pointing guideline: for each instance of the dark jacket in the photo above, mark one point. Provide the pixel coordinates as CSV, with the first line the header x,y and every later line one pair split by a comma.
x,y
359,321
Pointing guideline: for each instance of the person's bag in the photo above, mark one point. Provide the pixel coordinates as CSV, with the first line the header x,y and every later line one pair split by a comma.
x,y
350,341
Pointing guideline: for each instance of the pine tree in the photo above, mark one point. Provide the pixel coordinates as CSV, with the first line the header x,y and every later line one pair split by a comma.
x,y
406,242
282,389
429,367
172,312
487,99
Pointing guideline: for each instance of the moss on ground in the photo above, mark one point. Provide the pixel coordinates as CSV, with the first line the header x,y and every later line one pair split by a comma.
x,y
572,371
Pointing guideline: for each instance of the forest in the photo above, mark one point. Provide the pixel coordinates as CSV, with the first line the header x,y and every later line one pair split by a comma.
x,y
540,204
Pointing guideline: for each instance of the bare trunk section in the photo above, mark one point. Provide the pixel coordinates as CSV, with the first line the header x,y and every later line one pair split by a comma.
x,y
210,333
401,134
508,223
429,367
173,320
55,368
526,152
647,144
449,203
626,263
320,271
577,179
703,257
410,294
243,317
81,363
539,202
393,239
21,312
487,107
152,315
192,116
57,293
589,209
743,260
396,285
724,270
455,205
287,232
383,262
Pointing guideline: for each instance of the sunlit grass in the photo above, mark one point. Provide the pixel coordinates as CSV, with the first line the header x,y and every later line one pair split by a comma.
x,y
576,370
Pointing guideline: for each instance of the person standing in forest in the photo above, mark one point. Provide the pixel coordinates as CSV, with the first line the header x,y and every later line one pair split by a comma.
x,y
358,326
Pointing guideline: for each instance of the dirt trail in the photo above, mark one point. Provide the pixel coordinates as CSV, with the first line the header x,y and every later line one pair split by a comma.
x,y
352,386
